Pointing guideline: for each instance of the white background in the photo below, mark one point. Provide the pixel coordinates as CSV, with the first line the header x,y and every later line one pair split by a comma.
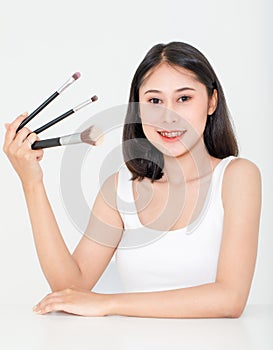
x,y
44,42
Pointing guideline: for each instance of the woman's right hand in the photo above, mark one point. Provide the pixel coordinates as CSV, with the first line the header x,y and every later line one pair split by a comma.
x,y
23,158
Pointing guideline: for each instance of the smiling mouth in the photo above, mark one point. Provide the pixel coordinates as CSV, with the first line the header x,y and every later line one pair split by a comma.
x,y
172,134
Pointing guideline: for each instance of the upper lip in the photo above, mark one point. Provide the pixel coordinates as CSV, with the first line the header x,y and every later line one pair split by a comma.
x,y
168,131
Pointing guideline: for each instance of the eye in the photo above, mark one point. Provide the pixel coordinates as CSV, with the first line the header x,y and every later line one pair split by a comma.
x,y
154,100
184,98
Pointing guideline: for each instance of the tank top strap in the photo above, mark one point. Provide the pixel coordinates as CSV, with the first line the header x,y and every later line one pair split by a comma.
x,y
218,181
125,199
213,199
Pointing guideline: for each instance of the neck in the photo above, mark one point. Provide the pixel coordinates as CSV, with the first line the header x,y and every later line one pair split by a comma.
x,y
190,166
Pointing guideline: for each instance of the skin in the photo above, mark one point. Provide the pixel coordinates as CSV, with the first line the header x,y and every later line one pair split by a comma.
x,y
72,276
172,99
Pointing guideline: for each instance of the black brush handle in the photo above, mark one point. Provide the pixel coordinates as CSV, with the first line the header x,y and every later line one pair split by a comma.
x,y
46,143
37,110
54,121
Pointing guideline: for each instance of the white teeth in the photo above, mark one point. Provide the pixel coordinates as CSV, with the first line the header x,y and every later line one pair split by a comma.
x,y
172,133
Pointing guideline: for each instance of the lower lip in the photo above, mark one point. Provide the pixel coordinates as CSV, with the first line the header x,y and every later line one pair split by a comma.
x,y
171,139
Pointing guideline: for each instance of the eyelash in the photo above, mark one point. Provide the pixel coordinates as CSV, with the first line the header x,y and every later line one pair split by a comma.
x,y
184,99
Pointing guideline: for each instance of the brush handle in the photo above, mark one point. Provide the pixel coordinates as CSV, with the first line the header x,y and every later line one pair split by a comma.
x,y
37,110
54,121
46,143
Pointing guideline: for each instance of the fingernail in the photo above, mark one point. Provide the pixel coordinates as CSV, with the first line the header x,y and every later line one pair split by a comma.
x,y
34,307
6,125
36,311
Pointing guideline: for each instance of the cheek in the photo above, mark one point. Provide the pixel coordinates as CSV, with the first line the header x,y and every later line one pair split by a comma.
x,y
151,115
149,131
197,119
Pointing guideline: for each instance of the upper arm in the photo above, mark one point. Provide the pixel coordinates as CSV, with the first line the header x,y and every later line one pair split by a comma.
x,y
101,236
241,195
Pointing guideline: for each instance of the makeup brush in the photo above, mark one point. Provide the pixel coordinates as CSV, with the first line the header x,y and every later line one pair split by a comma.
x,y
66,114
70,81
92,135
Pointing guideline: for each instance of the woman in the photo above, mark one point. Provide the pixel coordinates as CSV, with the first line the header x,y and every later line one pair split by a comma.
x,y
196,204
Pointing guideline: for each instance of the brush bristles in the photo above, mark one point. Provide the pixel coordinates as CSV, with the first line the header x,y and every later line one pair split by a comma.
x,y
76,75
93,136
94,98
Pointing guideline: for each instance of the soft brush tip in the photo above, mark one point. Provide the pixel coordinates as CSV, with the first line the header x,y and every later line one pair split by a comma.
x,y
76,75
93,136
94,98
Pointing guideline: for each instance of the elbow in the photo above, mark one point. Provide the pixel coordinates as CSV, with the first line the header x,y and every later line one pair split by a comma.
x,y
58,281
235,312
62,285
57,287
238,311
235,306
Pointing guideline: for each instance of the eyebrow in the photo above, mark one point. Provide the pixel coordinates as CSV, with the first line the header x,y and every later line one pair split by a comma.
x,y
158,91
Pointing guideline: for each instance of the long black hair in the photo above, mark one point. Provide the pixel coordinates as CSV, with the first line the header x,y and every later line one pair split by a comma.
x,y
141,157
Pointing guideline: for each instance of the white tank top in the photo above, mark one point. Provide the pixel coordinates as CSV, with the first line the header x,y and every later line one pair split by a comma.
x,y
152,260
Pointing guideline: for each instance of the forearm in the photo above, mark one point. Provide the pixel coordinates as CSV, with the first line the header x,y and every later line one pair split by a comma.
x,y
205,301
57,263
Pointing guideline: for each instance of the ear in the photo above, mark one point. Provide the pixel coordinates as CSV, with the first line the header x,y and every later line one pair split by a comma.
x,y
213,102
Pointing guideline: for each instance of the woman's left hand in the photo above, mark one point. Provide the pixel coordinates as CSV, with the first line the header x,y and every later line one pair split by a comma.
x,y
74,301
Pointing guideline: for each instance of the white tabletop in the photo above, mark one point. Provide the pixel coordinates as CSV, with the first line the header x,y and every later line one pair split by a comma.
x,y
21,328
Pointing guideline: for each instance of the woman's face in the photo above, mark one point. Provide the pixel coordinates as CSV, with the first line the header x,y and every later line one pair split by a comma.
x,y
174,107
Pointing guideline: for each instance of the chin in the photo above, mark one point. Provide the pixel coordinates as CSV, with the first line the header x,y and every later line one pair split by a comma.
x,y
171,150
176,154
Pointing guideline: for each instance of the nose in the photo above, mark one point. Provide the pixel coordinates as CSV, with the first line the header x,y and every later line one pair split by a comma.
x,y
169,116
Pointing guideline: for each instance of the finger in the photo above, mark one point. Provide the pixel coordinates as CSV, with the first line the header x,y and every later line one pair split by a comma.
x,y
21,136
56,305
47,300
17,142
30,139
17,121
28,142
42,300
22,144
51,296
60,297
11,129
64,306
40,157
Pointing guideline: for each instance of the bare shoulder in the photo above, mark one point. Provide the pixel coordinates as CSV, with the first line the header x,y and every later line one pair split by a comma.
x,y
108,188
241,169
105,206
241,176
242,166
